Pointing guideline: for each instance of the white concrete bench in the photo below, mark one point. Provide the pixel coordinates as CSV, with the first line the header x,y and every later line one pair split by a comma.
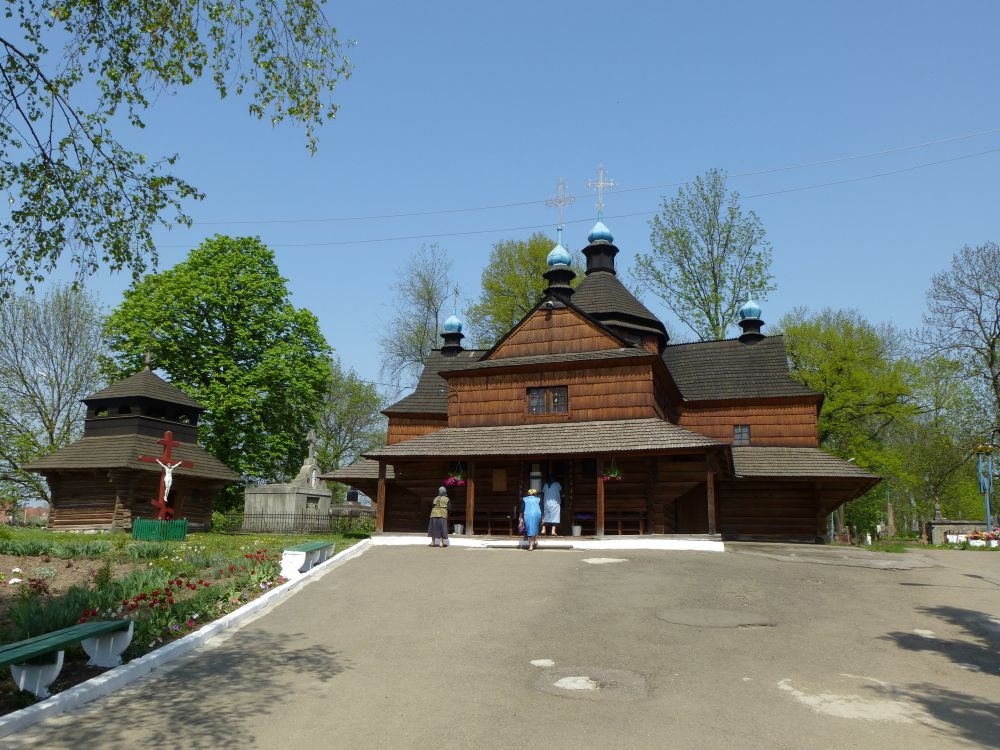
x,y
302,557
104,643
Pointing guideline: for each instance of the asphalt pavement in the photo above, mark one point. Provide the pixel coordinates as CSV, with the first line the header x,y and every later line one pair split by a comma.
x,y
764,646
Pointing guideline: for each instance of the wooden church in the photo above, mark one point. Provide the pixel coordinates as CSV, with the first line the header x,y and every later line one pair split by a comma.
x,y
109,477
644,437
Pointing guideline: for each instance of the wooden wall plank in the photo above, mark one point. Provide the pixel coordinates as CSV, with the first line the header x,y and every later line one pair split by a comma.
x,y
789,425
597,393
559,331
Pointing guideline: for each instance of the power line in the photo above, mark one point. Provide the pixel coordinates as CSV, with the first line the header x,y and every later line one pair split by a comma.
x,y
472,232
518,204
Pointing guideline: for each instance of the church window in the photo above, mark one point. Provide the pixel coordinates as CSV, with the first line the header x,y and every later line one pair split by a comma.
x,y
741,435
536,400
559,399
551,400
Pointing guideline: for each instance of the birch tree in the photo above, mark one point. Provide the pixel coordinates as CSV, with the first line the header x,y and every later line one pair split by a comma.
x,y
706,256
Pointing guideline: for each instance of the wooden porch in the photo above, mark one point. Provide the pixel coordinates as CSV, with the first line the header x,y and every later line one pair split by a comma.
x,y
660,494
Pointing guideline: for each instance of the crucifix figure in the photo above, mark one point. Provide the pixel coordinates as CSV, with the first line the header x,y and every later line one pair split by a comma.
x,y
559,202
311,437
168,476
164,511
599,185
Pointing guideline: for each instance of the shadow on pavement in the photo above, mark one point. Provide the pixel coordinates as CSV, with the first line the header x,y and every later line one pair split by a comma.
x,y
974,718
192,706
978,650
965,716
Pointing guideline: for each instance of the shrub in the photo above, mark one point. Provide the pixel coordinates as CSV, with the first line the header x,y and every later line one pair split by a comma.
x,y
218,521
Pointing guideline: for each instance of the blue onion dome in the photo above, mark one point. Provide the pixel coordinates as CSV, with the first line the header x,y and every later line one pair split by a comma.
x,y
559,256
750,309
453,325
600,233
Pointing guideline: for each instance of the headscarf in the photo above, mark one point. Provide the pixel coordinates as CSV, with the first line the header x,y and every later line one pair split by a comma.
x,y
532,491
442,491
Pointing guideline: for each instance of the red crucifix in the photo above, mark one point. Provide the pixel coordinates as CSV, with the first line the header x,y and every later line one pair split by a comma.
x,y
166,476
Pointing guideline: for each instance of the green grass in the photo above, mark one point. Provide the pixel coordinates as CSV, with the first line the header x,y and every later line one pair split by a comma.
x,y
889,547
35,542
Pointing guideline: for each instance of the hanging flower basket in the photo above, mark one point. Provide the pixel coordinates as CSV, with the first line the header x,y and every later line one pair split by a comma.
x,y
455,478
612,473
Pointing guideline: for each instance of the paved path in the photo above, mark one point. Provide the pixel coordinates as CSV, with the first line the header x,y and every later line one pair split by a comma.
x,y
415,648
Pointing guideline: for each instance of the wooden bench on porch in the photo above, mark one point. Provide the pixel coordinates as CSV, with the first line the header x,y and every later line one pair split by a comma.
x,y
302,557
104,643
615,522
624,522
495,522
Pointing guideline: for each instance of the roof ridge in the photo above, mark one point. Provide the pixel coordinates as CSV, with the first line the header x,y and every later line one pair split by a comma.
x,y
721,341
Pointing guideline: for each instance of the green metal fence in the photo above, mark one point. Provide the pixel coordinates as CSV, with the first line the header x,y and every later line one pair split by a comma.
x,y
151,530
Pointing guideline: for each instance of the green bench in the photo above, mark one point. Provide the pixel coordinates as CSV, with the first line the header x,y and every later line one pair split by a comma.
x,y
298,559
104,643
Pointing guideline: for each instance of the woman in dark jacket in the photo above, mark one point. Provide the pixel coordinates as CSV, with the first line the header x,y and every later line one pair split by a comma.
x,y
438,526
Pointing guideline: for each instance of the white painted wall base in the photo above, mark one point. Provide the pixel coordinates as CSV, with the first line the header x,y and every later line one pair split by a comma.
x,y
665,543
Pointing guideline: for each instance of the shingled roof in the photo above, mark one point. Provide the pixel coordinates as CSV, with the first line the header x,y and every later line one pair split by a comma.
x,y
431,394
149,384
731,369
795,462
361,469
123,451
549,439
603,296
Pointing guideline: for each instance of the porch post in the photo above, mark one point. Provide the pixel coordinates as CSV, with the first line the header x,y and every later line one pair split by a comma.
x,y
710,491
470,497
599,515
380,498
652,468
820,516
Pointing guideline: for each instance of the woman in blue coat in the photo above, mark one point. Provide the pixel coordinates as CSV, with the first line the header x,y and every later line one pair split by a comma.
x,y
531,514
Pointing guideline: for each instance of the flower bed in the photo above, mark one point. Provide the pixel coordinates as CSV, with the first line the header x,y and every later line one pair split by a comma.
x,y
167,589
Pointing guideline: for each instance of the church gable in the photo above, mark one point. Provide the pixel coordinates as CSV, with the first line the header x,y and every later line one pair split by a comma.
x,y
559,330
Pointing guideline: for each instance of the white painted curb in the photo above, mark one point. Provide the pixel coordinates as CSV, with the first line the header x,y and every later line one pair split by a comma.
x,y
608,543
117,678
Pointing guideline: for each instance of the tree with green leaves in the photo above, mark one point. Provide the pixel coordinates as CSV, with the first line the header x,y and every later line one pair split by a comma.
x,y
49,351
707,256
867,383
420,295
861,370
222,327
74,71
512,284
933,448
350,420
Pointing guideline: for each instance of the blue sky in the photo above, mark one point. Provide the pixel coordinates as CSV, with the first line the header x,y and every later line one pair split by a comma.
x,y
453,106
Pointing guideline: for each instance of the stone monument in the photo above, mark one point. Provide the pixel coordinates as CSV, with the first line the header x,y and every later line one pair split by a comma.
x,y
271,507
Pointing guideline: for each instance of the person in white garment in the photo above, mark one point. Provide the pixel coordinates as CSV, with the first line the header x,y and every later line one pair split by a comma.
x,y
551,506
